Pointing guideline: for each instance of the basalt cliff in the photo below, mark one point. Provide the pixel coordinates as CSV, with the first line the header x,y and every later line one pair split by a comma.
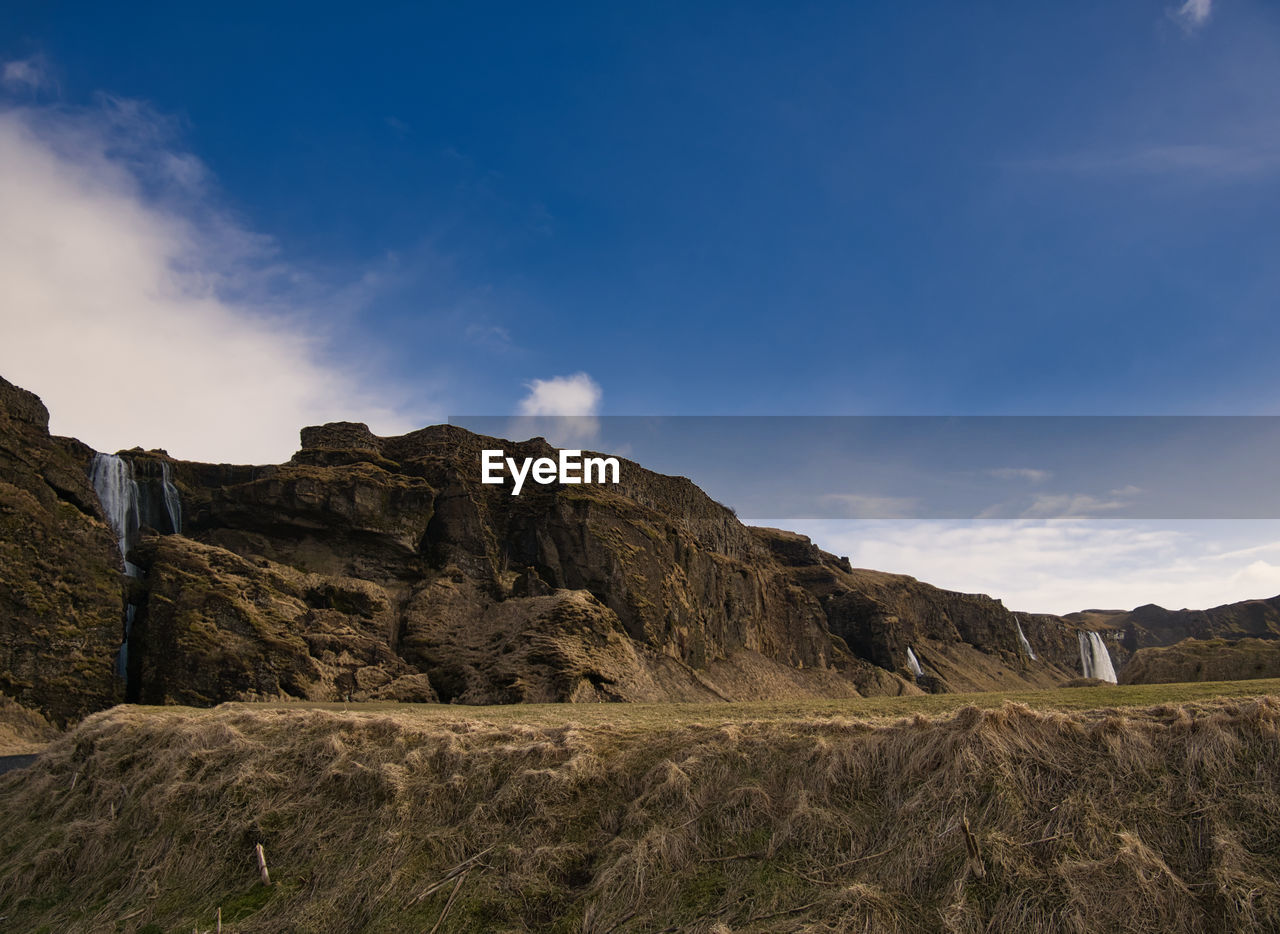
x,y
382,568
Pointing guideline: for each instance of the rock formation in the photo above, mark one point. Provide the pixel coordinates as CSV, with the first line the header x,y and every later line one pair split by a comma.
x,y
60,582
382,568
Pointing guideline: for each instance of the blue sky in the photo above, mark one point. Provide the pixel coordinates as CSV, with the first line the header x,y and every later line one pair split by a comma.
x,y
300,213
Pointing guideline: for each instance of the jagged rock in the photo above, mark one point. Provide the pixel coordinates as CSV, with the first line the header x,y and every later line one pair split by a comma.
x,y
214,626
61,613
964,642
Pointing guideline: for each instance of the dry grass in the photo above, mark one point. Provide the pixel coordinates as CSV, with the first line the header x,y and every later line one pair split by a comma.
x,y
22,731
619,818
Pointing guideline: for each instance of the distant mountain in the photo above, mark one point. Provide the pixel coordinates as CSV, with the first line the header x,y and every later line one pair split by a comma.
x,y
1152,625
1204,660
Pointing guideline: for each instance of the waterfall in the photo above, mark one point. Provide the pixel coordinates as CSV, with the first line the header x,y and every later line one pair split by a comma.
x,y
117,490
1026,646
172,504
1094,658
914,663
127,505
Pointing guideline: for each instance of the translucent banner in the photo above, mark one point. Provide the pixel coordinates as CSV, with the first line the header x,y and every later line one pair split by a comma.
x,y
942,467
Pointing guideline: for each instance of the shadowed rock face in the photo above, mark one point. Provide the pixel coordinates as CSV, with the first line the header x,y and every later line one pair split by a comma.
x,y
372,567
643,591
647,590
61,614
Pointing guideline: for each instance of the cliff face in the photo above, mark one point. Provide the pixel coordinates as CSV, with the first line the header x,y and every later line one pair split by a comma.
x,y
61,614
372,567
963,642
647,590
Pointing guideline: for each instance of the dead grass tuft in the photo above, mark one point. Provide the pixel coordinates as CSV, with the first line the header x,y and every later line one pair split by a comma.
x,y
22,731
1008,819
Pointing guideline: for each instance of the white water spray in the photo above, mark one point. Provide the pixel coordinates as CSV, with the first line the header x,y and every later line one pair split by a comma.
x,y
914,663
113,481
1095,660
172,503
116,483
1026,646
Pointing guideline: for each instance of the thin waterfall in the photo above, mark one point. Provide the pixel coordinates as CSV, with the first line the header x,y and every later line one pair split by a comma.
x,y
172,502
1026,646
914,663
115,481
1095,660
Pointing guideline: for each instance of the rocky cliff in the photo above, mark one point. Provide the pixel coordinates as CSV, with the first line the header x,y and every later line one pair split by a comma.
x,y
371,567
60,583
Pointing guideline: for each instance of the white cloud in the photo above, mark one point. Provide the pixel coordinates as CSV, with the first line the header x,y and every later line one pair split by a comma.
x,y
142,314
28,74
1060,566
578,394
561,409
1193,13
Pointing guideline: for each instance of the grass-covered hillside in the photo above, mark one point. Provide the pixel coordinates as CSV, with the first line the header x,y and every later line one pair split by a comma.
x,y
1052,813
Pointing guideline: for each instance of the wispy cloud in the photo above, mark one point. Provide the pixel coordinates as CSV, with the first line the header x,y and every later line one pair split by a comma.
x,y
145,314
860,506
1029,474
1193,14
1222,161
27,74
1071,506
1063,505
491,336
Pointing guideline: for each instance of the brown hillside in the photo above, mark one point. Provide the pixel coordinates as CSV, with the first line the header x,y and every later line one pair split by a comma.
x,y
1204,660
639,819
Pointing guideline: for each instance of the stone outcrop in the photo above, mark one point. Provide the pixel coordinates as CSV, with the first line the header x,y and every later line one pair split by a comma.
x,y
964,642
61,613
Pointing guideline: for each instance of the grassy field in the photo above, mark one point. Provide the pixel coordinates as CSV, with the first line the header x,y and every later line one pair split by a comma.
x,y
1101,699
1145,808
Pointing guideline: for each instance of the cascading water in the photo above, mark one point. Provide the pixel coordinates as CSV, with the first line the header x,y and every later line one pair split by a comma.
x,y
172,502
117,490
124,501
1026,646
914,663
113,481
1095,660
